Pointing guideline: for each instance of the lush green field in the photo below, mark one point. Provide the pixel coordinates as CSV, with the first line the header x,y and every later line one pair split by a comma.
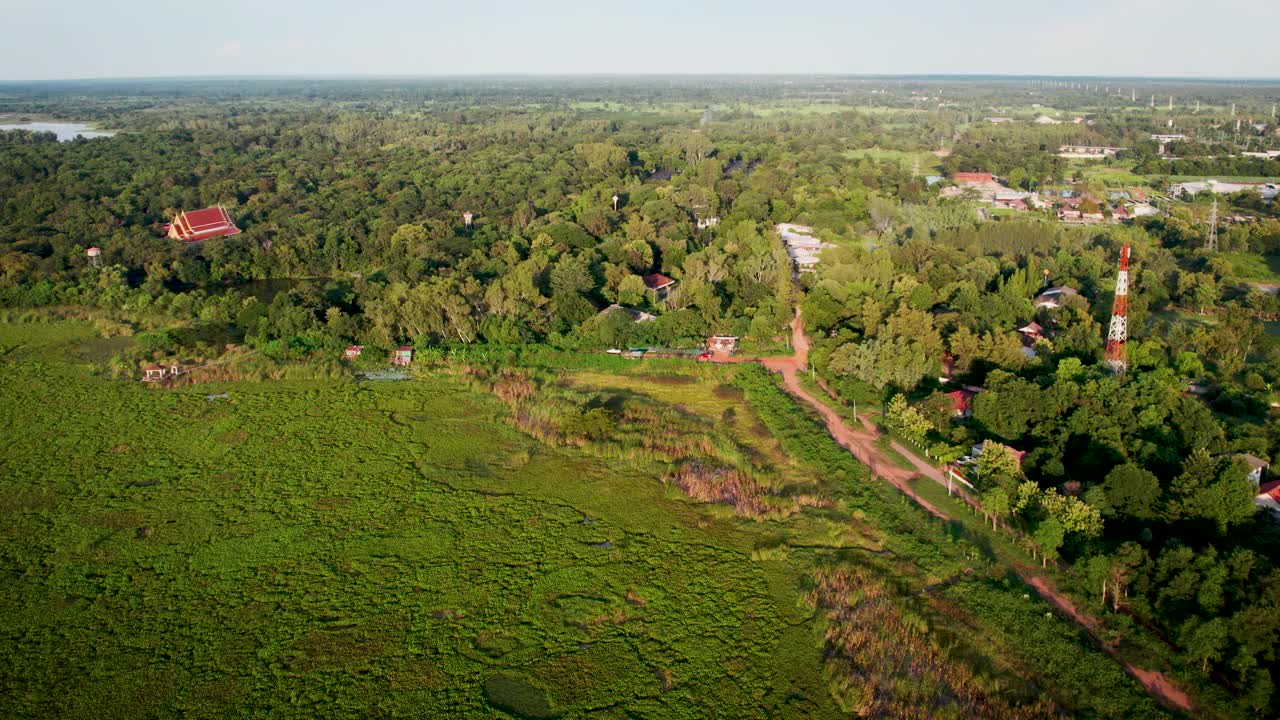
x,y
378,549
1110,175
1252,267
311,549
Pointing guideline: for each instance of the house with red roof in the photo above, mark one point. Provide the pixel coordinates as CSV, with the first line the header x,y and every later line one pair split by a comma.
x,y
1268,496
403,356
659,283
1032,331
154,373
197,225
961,403
352,352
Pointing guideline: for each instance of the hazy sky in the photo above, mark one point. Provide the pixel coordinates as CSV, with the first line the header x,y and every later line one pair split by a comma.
x,y
42,39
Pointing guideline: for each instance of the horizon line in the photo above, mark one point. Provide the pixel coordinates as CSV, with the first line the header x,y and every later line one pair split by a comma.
x,y
642,75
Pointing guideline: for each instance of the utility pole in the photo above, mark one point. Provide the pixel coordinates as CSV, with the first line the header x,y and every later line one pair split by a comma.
x,y
1117,356
1211,244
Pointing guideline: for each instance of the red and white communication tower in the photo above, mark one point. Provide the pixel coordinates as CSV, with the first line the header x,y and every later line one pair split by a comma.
x,y
1118,334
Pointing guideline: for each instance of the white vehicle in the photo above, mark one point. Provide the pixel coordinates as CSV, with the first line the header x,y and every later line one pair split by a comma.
x,y
614,351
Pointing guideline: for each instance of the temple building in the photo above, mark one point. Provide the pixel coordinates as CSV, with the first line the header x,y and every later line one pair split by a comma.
x,y
198,225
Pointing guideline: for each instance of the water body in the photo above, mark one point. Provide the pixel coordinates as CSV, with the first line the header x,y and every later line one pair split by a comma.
x,y
64,131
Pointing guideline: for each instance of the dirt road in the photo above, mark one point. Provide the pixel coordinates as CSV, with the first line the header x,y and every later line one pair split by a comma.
x,y
861,442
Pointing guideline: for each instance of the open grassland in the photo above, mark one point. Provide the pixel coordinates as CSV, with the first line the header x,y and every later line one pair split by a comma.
x,y
1110,175
372,549
439,548
1254,267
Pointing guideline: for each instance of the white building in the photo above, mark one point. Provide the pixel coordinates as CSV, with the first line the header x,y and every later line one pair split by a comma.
x,y
1088,152
1054,297
802,247
1267,191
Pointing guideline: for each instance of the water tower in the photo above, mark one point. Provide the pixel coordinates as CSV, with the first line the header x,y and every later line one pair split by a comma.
x,y
615,203
466,218
95,256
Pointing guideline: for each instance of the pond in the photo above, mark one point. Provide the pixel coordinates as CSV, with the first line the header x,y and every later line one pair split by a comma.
x,y
64,130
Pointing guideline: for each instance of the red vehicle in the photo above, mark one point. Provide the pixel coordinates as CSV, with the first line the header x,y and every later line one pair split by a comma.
x,y
704,357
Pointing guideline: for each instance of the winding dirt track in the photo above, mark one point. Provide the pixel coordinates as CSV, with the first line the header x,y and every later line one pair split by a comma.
x,y
861,442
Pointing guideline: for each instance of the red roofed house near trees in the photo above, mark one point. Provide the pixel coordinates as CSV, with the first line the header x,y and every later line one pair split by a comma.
x,y
961,403
658,283
198,225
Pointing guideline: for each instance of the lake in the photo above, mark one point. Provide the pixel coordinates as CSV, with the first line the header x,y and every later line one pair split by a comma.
x,y
64,131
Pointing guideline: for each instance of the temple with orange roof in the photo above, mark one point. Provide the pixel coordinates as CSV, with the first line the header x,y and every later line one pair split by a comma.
x,y
197,225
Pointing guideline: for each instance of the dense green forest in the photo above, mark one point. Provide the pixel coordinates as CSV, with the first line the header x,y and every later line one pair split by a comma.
x,y
351,197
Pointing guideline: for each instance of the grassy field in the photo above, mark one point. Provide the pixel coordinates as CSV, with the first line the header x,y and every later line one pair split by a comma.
x,y
322,548
1252,267
1111,176
373,549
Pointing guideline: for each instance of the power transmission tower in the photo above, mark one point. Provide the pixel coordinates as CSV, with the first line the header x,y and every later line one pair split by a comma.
x,y
1211,244
1117,357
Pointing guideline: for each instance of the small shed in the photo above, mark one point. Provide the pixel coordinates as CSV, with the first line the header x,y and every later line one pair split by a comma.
x,y
352,352
154,373
1257,467
1032,331
722,344
403,356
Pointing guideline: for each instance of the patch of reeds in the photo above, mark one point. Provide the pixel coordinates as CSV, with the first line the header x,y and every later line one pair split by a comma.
x,y
881,661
